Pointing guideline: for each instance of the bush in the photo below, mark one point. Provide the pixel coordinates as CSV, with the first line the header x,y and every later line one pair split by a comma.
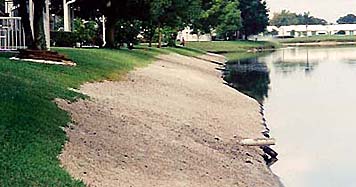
x,y
63,39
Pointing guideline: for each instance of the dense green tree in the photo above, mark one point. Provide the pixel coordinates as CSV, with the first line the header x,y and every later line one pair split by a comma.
x,y
307,19
222,16
229,20
113,11
175,14
348,19
86,32
254,15
285,18
127,32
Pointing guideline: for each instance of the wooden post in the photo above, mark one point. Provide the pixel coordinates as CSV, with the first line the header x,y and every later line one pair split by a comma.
x,y
258,142
46,24
67,15
104,31
31,14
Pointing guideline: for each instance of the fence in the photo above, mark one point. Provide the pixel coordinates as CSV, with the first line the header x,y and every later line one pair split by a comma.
x,y
12,35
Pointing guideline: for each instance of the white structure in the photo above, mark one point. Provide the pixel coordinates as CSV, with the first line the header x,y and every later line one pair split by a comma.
x,y
12,36
314,30
68,14
187,36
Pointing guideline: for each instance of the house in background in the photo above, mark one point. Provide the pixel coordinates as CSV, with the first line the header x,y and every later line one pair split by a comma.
x,y
314,30
12,35
187,35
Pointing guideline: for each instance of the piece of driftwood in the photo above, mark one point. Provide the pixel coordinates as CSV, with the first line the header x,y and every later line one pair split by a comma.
x,y
258,142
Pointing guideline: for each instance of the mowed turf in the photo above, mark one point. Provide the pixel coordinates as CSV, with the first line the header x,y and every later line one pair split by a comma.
x,y
31,135
231,46
318,39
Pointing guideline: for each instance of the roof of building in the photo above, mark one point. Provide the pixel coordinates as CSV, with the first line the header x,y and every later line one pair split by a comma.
x,y
301,28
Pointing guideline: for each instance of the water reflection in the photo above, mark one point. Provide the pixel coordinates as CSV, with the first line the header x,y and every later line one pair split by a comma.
x,y
309,103
249,76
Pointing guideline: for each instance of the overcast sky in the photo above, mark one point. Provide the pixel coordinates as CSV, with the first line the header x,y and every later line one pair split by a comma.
x,y
330,10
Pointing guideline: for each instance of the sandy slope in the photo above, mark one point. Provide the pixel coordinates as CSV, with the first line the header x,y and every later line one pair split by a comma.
x,y
172,124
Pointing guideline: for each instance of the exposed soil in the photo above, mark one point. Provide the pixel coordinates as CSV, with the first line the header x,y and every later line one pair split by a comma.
x,y
173,123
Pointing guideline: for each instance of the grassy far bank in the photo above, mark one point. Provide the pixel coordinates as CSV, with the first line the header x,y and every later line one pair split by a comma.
x,y
318,39
235,57
30,133
231,46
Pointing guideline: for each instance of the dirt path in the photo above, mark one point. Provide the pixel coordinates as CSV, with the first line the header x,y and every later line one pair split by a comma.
x,y
172,124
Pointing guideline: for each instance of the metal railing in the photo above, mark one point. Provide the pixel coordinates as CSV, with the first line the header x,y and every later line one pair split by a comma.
x,y
12,35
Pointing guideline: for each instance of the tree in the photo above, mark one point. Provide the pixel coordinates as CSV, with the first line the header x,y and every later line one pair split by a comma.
x,y
86,32
127,32
113,11
39,35
38,40
223,16
254,15
24,14
175,14
229,20
2,7
348,19
307,19
285,18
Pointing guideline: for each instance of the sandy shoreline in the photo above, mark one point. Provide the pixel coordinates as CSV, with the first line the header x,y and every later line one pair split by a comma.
x,y
173,123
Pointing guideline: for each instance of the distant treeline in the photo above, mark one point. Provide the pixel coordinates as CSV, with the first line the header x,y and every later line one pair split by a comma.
x,y
285,18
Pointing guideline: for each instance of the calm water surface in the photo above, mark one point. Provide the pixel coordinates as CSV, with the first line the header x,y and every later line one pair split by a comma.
x,y
309,96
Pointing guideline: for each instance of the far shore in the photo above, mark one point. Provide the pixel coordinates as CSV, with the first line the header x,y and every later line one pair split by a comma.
x,y
323,44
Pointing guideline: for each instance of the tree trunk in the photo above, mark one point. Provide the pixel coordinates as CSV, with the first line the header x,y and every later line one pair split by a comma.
x,y
38,26
152,31
110,33
151,35
172,40
23,12
159,36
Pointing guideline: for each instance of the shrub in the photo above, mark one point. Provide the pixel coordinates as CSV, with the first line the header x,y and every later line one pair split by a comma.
x,y
63,39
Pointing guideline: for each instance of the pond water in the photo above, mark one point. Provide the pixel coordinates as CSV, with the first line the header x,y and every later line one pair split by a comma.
x,y
309,96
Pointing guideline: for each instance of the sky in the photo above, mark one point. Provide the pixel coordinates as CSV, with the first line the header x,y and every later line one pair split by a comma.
x,y
329,10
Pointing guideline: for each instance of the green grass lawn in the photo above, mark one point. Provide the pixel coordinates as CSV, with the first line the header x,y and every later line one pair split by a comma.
x,y
31,137
314,39
230,46
235,57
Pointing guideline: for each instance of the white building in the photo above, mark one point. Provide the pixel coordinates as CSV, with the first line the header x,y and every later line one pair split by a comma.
x,y
187,36
314,30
